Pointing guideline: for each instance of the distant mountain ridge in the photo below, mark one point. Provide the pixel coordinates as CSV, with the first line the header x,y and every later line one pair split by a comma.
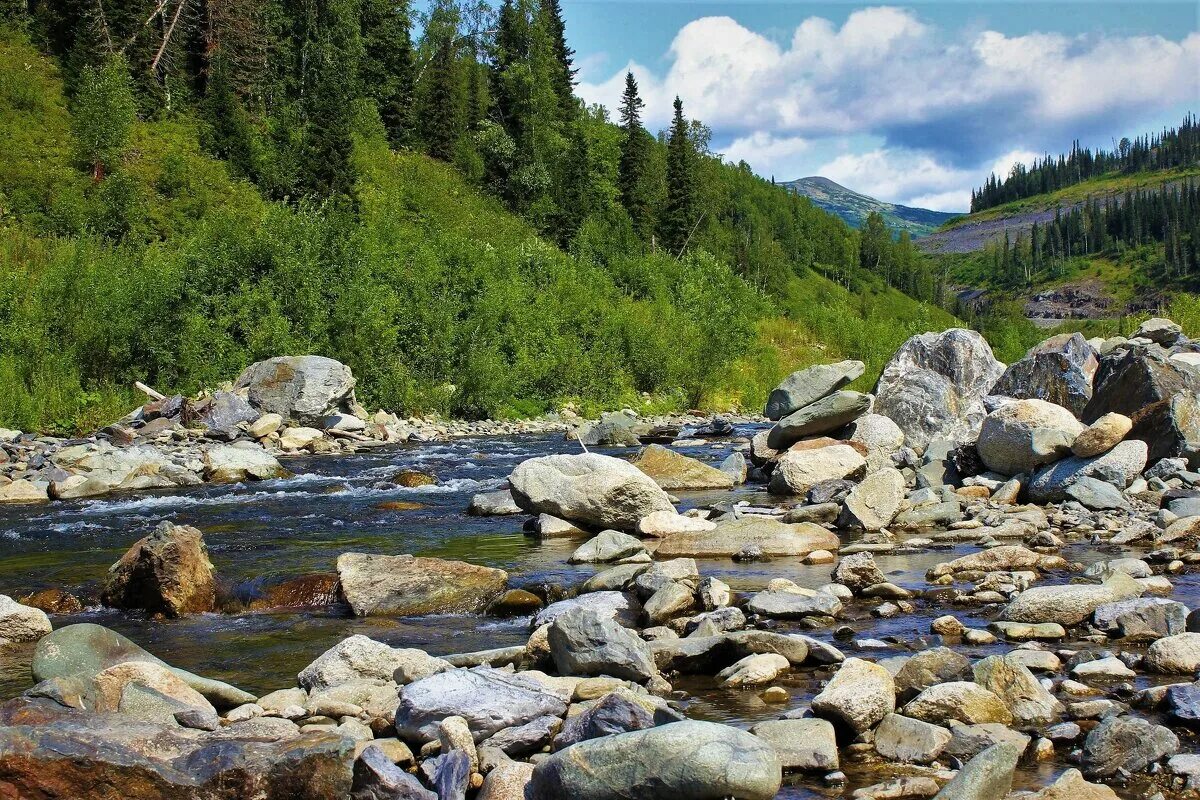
x,y
854,207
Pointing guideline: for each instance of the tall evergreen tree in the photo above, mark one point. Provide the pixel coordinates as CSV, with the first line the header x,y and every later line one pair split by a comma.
x,y
562,76
334,52
632,177
388,65
679,216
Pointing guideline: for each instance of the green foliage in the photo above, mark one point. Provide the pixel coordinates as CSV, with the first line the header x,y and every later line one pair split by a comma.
x,y
103,115
679,215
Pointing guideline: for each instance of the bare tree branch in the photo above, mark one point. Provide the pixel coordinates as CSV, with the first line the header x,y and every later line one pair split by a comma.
x,y
167,37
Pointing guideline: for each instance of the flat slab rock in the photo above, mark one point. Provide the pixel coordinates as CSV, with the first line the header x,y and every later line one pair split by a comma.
x,y
407,585
731,537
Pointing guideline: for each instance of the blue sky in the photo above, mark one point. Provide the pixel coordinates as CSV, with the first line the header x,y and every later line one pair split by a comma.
x,y
913,103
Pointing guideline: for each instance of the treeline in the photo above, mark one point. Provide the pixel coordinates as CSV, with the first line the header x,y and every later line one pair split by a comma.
x,y
1167,219
1171,149
897,261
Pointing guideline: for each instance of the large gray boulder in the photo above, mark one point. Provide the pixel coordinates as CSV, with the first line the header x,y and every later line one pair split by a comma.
x,y
797,471
304,389
934,386
1059,370
1072,604
823,416
987,776
1119,466
801,744
588,644
588,488
1128,744
406,585
809,385
490,700
1023,435
681,761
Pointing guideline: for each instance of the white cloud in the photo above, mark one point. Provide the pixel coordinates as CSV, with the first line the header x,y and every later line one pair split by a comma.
x,y
947,105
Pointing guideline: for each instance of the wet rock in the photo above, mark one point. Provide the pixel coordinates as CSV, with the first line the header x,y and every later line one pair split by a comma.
x,y
304,591
406,585
75,654
414,478
489,700
874,503
933,388
1059,370
929,668
1006,558
1128,744
1071,786
20,623
358,658
1069,605
1030,703
858,571
1023,435
77,755
858,696
797,471
807,745
607,546
806,386
614,713
822,416
228,463
583,642
1175,654
305,389
377,778
677,472
730,537
900,738
588,488
52,601
1102,435
960,700
987,776
1183,701
167,572
614,605
937,514
493,504
792,605
681,761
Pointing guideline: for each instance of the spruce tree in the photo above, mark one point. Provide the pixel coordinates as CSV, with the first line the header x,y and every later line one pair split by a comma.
x,y
632,178
562,77
680,213
388,65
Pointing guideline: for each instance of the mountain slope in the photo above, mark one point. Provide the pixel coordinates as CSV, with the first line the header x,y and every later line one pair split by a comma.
x,y
854,207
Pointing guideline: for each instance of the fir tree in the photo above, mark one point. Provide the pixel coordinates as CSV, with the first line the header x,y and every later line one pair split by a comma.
x,y
680,213
562,77
388,65
632,178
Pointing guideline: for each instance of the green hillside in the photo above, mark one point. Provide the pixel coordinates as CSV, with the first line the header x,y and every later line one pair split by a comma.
x,y
854,207
177,268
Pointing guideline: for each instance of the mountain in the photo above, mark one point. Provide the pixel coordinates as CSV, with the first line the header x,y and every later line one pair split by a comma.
x,y
854,207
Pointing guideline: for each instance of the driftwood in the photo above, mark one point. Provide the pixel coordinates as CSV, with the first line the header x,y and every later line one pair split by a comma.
x,y
151,393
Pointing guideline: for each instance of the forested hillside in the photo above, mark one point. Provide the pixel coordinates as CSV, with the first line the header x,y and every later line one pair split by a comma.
x,y
188,186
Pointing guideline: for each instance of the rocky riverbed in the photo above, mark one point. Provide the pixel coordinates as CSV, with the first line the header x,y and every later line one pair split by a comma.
x,y
976,581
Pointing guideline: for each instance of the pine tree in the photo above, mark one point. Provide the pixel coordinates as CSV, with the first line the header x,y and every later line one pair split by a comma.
x,y
332,82
388,65
441,115
680,213
562,78
632,179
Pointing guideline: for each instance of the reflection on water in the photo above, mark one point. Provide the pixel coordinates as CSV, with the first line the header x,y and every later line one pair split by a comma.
x,y
258,534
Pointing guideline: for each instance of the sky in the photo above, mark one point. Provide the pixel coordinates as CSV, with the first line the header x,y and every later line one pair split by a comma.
x,y
914,103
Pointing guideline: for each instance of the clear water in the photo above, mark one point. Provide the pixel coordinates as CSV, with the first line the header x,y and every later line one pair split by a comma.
x,y
259,534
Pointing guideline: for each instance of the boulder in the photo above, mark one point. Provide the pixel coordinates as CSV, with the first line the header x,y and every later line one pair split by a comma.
x,y
19,623
1128,744
730,537
928,668
588,488
859,695
585,643
806,386
299,437
735,466
614,713
807,745
753,670
1030,703
1069,605
613,429
490,700
264,425
857,572
1024,435
493,504
1005,558
76,654
987,776
964,701
1096,495
664,524
23,491
506,781
681,761
111,685
406,585
677,472
1071,786
882,437
227,463
358,658
933,387
111,757
1143,619
377,778
614,605
1059,370
1175,654
793,605
908,740
225,415
101,468
303,389
1119,466
1156,393
797,471
1102,435
167,572
823,416
875,502
607,546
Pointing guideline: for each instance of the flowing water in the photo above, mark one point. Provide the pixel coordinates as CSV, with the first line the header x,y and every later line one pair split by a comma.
x,y
262,533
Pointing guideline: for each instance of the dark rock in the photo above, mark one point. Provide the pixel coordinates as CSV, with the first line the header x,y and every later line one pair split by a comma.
x,y
1059,370
1184,702
614,713
834,491
583,642
450,774
1126,743
167,572
377,778
524,739
224,413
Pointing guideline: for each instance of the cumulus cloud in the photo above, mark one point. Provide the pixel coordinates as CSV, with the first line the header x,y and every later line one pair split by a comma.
x,y
945,103
916,177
